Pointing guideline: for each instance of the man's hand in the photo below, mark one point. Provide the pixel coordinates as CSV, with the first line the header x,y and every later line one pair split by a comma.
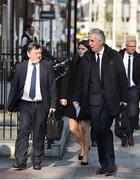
x,y
63,102
124,103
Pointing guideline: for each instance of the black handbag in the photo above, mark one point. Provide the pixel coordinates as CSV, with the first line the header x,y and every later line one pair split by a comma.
x,y
54,127
122,126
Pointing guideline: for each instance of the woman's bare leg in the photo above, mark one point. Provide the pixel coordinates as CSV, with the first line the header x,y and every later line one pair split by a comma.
x,y
74,129
85,130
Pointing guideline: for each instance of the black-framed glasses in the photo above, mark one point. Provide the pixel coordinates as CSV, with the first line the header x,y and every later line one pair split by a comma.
x,y
131,46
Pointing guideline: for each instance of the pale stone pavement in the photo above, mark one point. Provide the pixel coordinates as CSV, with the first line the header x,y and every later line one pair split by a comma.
x,y
127,160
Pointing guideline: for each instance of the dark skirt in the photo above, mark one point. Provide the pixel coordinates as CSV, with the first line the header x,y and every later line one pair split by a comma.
x,y
70,112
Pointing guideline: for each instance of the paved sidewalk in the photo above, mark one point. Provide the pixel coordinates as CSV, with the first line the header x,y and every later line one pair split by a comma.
x,y
127,159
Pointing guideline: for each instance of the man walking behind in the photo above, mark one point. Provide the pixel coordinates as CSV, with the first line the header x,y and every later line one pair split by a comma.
x,y
131,60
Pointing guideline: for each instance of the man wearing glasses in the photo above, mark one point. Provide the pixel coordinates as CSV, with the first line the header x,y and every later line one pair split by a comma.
x,y
131,60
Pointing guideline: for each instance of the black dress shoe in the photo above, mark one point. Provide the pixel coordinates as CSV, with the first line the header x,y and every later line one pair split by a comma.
x,y
80,157
111,171
37,166
84,163
130,141
20,166
101,171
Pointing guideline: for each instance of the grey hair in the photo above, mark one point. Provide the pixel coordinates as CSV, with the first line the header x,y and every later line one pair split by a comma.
x,y
130,39
100,34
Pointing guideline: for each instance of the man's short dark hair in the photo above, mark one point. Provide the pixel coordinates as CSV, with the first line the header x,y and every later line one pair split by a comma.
x,y
33,45
28,26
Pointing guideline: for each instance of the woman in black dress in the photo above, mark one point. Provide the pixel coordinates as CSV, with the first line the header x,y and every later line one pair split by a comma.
x,y
78,125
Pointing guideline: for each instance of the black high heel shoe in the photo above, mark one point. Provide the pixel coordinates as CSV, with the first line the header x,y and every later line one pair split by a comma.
x,y
80,157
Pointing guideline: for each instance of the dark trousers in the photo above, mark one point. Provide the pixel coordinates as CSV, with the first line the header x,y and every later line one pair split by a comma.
x,y
92,134
32,119
133,107
101,122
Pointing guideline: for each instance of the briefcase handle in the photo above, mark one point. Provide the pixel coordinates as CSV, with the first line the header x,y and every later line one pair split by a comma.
x,y
51,114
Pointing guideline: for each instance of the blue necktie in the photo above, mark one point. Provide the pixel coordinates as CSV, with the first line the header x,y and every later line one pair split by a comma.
x,y
33,83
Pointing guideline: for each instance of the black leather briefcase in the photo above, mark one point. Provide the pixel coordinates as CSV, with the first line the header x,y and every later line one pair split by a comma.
x,y
54,127
122,126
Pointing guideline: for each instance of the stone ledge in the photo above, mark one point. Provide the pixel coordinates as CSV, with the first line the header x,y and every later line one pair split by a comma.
x,y
7,147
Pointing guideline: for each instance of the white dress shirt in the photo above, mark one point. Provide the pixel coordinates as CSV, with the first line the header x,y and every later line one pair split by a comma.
x,y
26,91
100,56
125,61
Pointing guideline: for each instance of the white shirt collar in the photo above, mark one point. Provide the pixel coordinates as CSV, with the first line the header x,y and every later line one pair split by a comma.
x,y
101,52
126,53
30,62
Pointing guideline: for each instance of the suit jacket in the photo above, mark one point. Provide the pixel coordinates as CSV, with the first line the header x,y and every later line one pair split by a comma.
x,y
113,77
136,67
47,85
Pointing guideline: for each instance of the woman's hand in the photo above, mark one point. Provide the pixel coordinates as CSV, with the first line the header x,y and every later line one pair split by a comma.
x,y
63,102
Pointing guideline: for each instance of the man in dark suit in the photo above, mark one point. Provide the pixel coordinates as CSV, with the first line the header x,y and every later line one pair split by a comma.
x,y
33,93
102,84
131,60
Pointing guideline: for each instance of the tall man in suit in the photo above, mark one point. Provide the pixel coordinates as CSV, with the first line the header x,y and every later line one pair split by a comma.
x,y
131,60
102,84
33,92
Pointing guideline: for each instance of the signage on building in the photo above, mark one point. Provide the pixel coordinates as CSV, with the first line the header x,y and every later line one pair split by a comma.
x,y
47,15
